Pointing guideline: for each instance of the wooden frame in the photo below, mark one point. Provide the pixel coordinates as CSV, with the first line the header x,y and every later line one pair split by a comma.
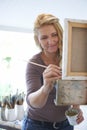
x,y
74,64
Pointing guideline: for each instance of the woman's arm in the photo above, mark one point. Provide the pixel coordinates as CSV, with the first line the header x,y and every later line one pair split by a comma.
x,y
39,98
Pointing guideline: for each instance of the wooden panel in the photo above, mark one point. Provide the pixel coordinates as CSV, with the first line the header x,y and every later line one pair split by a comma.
x,y
79,55
71,92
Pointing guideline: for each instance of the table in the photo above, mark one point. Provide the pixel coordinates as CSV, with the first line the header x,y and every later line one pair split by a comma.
x,y
9,125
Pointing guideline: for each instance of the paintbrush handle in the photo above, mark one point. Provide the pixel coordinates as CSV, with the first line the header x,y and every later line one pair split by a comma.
x,y
37,64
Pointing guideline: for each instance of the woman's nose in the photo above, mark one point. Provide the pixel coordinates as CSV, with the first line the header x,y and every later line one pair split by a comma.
x,y
50,40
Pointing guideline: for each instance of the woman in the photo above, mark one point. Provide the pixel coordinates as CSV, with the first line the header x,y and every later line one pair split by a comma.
x,y
42,113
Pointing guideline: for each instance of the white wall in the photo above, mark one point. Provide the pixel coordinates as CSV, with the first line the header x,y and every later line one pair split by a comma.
x,y
22,13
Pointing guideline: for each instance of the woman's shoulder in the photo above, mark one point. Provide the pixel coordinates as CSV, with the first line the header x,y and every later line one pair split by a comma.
x,y
37,58
31,66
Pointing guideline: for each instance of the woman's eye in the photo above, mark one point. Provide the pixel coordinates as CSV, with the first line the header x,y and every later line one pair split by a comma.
x,y
43,38
54,35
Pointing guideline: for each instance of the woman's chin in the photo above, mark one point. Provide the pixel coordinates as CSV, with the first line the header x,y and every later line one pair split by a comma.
x,y
53,50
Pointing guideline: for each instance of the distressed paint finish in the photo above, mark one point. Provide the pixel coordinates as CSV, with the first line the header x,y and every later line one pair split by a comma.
x,y
71,92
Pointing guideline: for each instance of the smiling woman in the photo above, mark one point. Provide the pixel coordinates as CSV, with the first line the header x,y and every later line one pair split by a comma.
x,y
13,45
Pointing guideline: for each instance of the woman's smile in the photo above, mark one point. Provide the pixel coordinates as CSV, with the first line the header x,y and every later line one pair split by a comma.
x,y
53,48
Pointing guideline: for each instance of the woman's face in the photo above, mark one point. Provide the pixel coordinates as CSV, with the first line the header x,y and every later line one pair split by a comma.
x,y
48,38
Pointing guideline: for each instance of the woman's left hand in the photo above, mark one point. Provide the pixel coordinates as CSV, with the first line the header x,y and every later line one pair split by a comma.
x,y
80,116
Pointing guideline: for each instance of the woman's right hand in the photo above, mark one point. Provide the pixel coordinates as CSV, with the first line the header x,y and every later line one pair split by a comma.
x,y
50,75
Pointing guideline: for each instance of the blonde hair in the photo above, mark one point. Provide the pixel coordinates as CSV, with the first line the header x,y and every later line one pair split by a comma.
x,y
48,19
